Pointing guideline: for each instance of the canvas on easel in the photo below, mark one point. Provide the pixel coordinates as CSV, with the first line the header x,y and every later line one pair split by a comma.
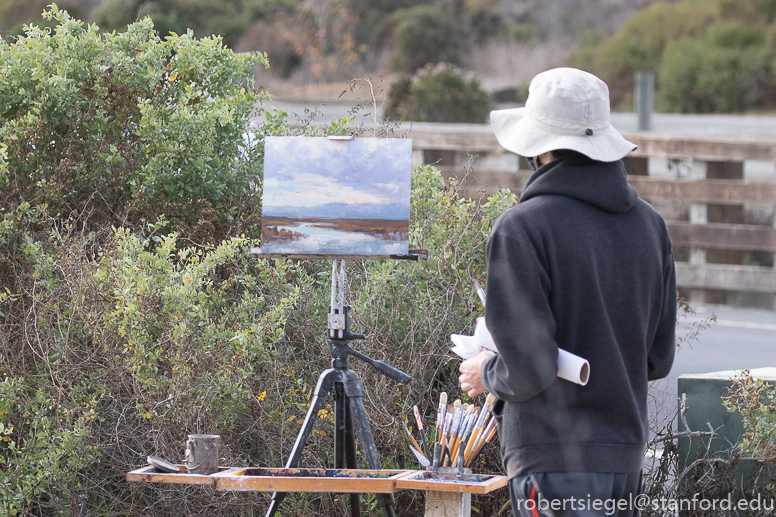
x,y
336,198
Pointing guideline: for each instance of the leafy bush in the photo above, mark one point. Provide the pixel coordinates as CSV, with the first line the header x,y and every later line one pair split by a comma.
x,y
708,55
228,18
118,337
721,72
639,44
439,93
115,351
755,400
421,35
126,126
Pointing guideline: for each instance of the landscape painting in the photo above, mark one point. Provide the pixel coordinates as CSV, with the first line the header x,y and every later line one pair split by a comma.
x,y
336,197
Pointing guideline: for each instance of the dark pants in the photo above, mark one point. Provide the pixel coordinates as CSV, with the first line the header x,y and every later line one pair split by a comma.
x,y
575,494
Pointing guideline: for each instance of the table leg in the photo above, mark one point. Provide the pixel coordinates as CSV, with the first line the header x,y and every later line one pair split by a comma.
x,y
448,504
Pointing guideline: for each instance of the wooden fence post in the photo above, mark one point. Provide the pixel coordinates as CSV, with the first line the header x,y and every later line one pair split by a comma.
x,y
774,255
698,215
727,213
418,158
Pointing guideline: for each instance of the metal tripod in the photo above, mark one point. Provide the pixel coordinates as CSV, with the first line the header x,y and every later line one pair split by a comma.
x,y
344,386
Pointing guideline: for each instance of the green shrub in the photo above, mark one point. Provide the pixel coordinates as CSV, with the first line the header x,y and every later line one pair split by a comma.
x,y
708,55
722,72
118,337
421,35
126,126
439,93
639,44
118,350
755,401
227,18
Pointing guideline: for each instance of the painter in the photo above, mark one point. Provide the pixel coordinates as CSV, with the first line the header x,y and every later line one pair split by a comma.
x,y
579,266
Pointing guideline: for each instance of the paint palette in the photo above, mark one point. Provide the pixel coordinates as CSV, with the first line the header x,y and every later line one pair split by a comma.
x,y
450,482
151,474
307,480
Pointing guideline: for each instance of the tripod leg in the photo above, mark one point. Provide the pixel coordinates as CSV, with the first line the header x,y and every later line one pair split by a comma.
x,y
350,457
322,389
344,441
341,425
353,392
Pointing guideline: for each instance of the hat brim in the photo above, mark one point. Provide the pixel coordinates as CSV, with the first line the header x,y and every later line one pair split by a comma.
x,y
518,133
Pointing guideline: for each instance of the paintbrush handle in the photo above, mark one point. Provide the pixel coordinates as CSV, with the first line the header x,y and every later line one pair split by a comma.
x,y
454,449
424,442
419,421
485,438
476,454
412,438
470,444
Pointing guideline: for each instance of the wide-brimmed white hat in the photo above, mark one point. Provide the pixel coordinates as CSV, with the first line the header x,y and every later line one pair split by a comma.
x,y
566,109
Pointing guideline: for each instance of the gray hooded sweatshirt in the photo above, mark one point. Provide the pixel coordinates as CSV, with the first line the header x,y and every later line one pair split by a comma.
x,y
583,264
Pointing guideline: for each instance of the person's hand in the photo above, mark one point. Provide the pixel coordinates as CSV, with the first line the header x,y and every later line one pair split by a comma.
x,y
470,379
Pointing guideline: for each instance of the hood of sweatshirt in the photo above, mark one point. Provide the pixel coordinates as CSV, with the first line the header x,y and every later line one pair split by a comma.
x,y
601,184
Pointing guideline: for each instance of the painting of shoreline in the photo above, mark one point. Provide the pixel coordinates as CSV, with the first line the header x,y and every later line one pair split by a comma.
x,y
336,198
329,236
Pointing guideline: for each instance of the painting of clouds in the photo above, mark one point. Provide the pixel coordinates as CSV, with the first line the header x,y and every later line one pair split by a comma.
x,y
336,197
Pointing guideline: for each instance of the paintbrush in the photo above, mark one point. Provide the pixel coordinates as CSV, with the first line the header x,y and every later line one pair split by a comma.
x,y
412,438
453,433
465,424
489,401
445,431
469,428
441,412
419,421
491,432
483,435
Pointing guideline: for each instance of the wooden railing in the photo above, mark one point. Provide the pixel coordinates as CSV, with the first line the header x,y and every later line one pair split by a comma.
x,y
723,254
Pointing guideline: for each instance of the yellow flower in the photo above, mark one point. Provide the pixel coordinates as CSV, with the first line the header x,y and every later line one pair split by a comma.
x,y
186,281
262,396
323,413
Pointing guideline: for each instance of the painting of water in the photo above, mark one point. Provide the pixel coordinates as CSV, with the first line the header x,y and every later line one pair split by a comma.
x,y
336,197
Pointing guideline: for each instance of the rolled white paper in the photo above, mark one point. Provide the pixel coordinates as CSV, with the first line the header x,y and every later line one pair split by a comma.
x,y
571,367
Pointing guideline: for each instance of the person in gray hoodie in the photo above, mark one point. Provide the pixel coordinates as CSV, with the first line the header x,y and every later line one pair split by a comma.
x,y
580,264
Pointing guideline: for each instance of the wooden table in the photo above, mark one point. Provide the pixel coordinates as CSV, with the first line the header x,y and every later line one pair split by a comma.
x,y
446,495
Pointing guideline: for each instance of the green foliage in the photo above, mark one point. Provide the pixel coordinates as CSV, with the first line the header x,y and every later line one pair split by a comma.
x,y
421,35
121,124
720,73
439,93
116,347
173,318
755,400
43,442
118,336
639,44
520,31
228,19
708,55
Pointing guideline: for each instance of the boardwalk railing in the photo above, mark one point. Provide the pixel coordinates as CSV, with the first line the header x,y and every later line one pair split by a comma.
x,y
721,225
